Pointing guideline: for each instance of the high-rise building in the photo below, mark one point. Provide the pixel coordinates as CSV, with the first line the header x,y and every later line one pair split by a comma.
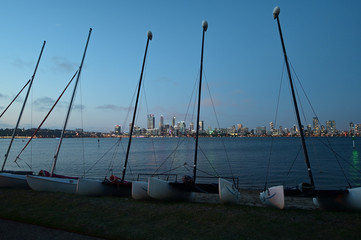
x,y
161,123
151,121
182,127
271,126
191,126
173,122
331,127
117,129
201,126
316,126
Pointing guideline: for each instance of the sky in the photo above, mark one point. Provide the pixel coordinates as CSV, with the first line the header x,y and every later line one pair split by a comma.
x,y
243,63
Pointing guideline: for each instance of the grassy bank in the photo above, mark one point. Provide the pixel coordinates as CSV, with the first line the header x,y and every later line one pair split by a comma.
x,y
122,218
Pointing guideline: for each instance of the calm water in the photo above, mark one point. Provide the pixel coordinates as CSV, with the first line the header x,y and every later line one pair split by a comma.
x,y
247,158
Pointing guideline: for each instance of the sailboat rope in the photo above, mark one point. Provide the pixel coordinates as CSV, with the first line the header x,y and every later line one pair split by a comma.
x,y
56,102
328,145
15,98
275,120
216,116
82,123
146,104
180,140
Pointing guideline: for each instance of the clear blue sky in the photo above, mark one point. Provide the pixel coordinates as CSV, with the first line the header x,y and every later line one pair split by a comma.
x,y
243,60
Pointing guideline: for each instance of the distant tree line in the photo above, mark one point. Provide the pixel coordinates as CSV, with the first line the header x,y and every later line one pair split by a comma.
x,y
47,133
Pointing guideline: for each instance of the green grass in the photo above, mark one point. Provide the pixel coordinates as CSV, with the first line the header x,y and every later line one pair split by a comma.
x,y
124,218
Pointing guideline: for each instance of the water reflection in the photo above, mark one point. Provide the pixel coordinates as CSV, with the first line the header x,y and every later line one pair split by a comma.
x,y
355,169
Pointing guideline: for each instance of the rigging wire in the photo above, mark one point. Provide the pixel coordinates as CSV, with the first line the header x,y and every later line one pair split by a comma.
x,y
329,144
276,115
82,123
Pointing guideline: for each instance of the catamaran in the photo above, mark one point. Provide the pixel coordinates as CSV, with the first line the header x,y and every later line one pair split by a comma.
x,y
17,179
182,191
344,199
49,181
115,185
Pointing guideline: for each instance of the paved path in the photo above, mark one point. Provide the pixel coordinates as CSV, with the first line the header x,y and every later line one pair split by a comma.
x,y
10,230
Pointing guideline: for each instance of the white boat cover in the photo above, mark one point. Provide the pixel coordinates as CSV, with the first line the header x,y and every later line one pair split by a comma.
x,y
140,190
274,197
163,190
11,180
228,193
52,184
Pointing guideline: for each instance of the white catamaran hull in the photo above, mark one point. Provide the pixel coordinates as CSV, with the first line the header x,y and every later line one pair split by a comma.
x,y
274,197
10,180
163,190
52,184
354,198
140,190
227,192
350,201
91,187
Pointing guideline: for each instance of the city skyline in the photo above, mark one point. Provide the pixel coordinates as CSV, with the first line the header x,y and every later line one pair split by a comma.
x,y
243,61
316,125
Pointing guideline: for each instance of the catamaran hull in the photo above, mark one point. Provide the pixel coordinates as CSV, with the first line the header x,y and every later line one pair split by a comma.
x,y
274,197
163,190
354,198
140,190
227,192
52,184
10,180
349,199
91,187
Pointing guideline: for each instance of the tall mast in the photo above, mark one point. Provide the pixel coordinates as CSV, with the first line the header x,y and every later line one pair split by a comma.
x,y
149,37
205,27
276,12
69,109
22,109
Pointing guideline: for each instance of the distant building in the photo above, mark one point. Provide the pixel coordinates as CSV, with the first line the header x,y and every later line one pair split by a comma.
x,y
151,121
161,124
191,127
117,129
316,126
331,127
173,122
261,131
201,126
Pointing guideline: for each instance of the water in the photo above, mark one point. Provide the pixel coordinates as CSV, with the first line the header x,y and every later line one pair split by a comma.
x,y
248,158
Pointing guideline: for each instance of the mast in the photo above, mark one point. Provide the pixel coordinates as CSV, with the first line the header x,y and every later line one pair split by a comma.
x,y
205,27
70,105
276,12
149,37
47,115
22,109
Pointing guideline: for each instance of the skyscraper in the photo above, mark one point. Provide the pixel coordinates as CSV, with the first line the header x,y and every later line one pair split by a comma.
x,y
191,126
331,127
117,129
316,126
161,123
173,122
201,126
151,121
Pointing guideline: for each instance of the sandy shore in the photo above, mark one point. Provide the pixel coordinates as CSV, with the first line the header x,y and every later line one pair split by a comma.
x,y
250,197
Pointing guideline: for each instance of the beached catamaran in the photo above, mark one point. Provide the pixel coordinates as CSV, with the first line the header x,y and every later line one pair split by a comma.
x,y
345,199
17,179
115,185
182,191
52,182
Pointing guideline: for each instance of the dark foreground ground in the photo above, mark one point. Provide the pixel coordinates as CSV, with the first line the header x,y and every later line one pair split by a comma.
x,y
123,218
